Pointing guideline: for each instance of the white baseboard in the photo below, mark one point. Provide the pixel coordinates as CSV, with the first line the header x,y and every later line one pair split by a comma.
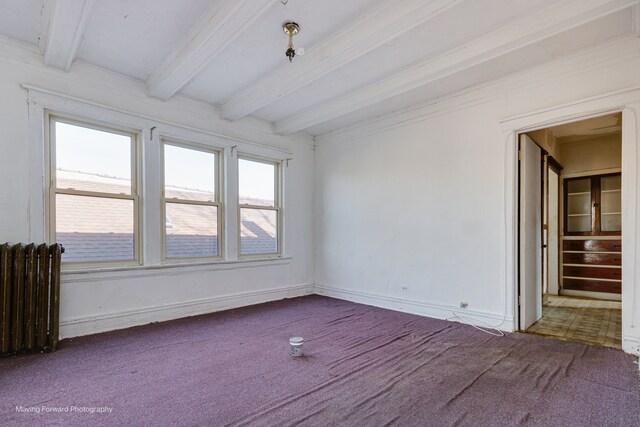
x,y
125,319
631,345
438,311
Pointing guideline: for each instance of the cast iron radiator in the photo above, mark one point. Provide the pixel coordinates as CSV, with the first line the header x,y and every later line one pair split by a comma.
x,y
29,297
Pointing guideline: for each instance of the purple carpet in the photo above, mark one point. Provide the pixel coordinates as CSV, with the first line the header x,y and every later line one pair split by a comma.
x,y
363,366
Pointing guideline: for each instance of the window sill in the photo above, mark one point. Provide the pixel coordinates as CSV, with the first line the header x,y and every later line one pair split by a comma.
x,y
127,272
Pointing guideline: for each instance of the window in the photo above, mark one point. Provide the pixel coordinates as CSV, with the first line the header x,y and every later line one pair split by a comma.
x,y
93,192
260,212
593,205
191,201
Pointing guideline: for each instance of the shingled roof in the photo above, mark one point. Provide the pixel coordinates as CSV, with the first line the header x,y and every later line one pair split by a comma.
x,y
101,229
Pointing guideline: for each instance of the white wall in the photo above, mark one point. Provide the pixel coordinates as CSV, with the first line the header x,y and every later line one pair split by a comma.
x,y
103,300
416,211
590,155
409,213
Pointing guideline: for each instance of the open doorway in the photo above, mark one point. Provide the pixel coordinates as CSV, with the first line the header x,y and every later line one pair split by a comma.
x,y
570,231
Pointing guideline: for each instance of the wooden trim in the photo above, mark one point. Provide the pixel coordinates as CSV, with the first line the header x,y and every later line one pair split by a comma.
x,y
587,272
592,258
592,285
554,165
592,245
596,217
544,218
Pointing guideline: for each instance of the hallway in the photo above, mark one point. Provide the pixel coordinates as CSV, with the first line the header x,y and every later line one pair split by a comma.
x,y
578,319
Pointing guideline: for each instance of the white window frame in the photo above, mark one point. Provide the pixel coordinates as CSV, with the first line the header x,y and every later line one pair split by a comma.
x,y
51,118
219,173
277,206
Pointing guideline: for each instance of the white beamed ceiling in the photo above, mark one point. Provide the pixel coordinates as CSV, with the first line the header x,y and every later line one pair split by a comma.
x,y
359,53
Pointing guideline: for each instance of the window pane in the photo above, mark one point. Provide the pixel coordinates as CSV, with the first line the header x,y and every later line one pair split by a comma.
x,y
94,228
258,231
92,160
257,183
192,230
189,174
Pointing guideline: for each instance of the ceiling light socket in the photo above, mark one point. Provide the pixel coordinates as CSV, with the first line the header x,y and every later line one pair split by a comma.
x,y
290,28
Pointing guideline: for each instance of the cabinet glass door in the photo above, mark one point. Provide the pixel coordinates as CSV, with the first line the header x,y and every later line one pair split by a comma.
x,y
579,205
611,203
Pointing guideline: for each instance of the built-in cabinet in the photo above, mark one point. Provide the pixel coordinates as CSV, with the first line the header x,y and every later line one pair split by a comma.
x,y
592,246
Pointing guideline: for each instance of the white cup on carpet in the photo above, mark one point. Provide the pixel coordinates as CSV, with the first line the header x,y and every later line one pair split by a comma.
x,y
296,346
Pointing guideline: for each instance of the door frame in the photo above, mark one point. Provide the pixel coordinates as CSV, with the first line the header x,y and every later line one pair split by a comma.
x,y
628,103
549,163
556,168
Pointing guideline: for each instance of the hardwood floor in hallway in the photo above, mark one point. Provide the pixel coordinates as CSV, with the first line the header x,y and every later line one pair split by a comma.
x,y
580,319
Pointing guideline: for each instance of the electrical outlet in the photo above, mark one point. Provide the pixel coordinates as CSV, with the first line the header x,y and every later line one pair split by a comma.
x,y
464,304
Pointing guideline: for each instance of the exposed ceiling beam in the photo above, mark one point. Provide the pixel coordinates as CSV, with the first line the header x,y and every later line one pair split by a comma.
x,y
384,23
66,27
220,25
538,25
